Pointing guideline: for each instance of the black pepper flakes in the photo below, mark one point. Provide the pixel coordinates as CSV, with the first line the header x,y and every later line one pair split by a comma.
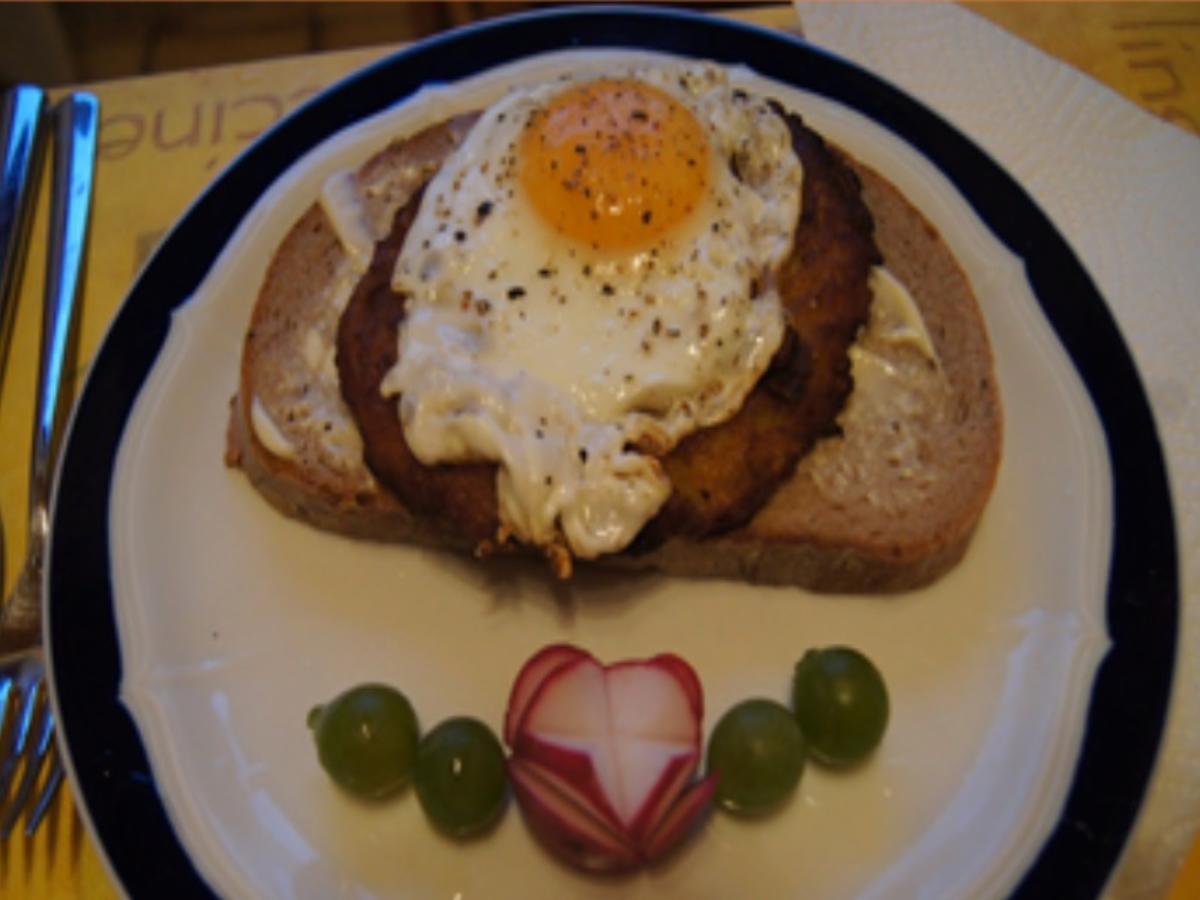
x,y
607,289
483,210
516,292
647,215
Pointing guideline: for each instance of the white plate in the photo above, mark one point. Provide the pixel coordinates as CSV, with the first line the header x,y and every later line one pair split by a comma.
x,y
234,621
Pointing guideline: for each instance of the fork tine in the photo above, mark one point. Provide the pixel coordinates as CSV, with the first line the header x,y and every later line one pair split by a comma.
x,y
13,716
36,712
8,758
49,791
6,692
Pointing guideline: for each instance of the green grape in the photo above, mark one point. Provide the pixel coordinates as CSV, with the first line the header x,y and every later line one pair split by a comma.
x,y
758,753
460,777
841,703
366,739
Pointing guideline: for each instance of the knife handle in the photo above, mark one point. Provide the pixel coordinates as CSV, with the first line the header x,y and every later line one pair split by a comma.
x,y
22,136
76,121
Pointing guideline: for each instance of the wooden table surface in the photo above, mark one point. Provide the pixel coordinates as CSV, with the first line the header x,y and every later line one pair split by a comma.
x,y
164,137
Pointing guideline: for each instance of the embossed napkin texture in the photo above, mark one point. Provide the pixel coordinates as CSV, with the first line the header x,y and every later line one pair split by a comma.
x,y
1123,187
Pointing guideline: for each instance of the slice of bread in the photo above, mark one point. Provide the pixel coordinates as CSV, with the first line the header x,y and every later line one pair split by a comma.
x,y
888,504
892,502
289,429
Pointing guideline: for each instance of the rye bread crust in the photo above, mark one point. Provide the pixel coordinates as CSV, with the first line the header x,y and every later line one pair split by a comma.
x,y
800,536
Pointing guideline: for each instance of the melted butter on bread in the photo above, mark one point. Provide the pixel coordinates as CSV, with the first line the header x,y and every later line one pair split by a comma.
x,y
342,203
314,399
900,393
268,433
895,317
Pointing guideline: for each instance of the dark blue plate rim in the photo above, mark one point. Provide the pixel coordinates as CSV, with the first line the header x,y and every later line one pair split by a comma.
x,y
1129,701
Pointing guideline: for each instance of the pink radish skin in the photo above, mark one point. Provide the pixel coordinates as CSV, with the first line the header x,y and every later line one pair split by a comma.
x,y
681,818
574,768
576,771
603,757
567,830
530,677
616,733
658,808
554,780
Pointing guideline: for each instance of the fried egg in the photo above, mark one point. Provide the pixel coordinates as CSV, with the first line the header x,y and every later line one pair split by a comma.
x,y
589,279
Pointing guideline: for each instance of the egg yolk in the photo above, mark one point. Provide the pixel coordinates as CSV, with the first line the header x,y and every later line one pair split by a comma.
x,y
614,163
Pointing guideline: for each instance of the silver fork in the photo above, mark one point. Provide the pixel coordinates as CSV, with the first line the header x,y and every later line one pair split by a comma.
x,y
22,140
26,716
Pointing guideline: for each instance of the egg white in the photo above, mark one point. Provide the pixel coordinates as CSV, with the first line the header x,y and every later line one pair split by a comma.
x,y
572,366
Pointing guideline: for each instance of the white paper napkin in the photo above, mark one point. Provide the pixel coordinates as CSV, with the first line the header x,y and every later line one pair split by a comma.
x,y
1124,188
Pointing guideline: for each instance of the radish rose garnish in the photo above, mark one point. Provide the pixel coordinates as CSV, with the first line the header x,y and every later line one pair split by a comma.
x,y
603,757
